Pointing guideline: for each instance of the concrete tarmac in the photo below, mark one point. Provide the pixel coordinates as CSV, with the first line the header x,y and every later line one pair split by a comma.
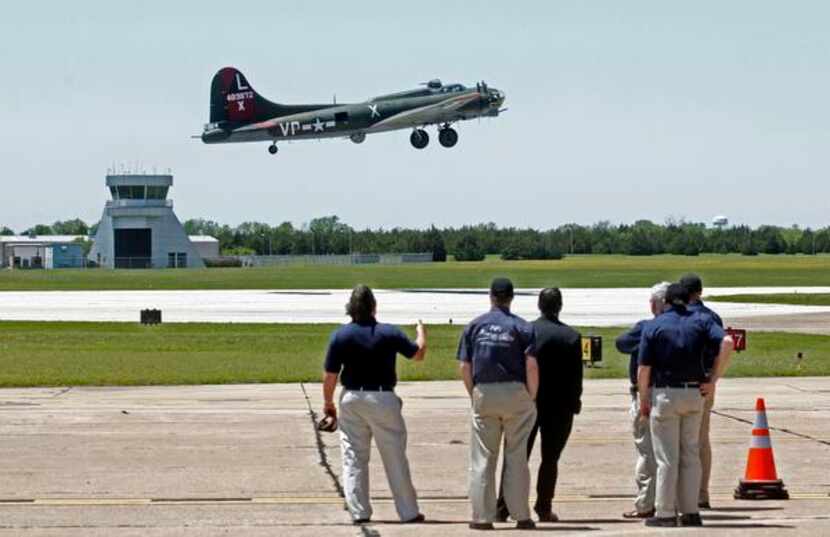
x,y
583,307
247,460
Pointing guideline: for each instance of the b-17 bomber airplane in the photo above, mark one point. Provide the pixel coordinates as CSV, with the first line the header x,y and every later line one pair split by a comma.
x,y
240,114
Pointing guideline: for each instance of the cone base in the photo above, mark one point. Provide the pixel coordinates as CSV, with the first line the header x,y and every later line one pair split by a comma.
x,y
761,490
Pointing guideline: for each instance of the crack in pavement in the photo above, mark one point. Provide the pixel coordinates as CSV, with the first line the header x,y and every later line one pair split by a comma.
x,y
324,460
771,428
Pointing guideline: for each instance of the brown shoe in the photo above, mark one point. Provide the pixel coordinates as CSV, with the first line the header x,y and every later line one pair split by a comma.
x,y
637,514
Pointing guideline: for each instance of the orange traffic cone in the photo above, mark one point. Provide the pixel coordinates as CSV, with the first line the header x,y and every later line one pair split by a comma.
x,y
761,480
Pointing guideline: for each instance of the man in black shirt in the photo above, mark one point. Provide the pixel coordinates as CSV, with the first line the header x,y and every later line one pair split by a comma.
x,y
559,353
363,354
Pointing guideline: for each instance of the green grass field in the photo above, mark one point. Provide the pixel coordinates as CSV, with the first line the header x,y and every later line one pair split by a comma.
x,y
799,299
574,271
75,354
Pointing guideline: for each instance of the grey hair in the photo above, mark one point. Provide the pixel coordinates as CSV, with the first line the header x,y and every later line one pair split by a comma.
x,y
658,292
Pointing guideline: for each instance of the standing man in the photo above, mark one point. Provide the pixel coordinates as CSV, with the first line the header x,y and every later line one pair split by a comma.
x,y
500,372
646,468
694,286
559,354
671,380
363,354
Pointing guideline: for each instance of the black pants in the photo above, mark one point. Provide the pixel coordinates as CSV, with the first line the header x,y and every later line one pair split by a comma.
x,y
555,428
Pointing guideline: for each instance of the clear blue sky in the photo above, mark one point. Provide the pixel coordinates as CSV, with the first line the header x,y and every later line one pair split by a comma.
x,y
618,110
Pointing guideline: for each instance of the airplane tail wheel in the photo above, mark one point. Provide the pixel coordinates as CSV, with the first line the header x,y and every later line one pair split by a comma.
x,y
419,138
273,149
358,137
448,137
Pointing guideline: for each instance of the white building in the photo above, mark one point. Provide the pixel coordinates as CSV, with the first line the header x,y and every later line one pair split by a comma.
x,y
206,245
23,251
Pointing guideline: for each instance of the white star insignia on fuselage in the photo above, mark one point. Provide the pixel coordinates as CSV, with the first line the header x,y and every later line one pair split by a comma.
x,y
319,126
374,109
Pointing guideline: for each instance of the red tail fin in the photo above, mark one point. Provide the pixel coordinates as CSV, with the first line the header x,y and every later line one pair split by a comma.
x,y
231,97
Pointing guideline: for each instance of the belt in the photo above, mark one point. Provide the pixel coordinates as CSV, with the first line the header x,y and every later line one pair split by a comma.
x,y
371,388
678,385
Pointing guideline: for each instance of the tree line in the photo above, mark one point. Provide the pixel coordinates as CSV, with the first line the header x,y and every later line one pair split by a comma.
x,y
329,235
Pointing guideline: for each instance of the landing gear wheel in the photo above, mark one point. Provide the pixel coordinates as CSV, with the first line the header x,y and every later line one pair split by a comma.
x,y
447,137
273,149
419,138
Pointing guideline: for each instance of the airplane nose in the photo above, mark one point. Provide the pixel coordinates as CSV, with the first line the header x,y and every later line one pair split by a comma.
x,y
497,97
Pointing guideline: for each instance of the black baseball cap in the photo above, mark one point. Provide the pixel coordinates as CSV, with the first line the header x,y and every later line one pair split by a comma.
x,y
502,288
692,283
677,295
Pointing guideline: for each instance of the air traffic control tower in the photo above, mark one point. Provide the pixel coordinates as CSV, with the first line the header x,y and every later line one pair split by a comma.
x,y
139,229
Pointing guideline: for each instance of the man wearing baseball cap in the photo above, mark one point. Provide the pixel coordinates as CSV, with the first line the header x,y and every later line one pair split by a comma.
x,y
500,372
672,384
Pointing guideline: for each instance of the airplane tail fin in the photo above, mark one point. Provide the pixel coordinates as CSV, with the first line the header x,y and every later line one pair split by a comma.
x,y
233,99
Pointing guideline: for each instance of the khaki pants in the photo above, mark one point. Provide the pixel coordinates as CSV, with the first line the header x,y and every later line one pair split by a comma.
x,y
705,449
364,415
645,471
675,433
503,408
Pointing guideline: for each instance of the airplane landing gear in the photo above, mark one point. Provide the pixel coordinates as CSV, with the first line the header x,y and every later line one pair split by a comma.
x,y
447,136
273,149
358,137
419,138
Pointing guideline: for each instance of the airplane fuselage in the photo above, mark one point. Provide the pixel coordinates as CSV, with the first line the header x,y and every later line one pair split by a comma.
x,y
239,114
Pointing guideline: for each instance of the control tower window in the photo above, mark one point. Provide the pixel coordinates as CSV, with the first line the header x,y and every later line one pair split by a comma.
x,y
156,192
131,192
114,192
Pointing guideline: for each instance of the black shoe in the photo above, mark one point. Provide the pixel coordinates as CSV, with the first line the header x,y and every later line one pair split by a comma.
x,y
526,525
550,516
417,520
662,522
692,519
704,505
481,526
359,521
502,515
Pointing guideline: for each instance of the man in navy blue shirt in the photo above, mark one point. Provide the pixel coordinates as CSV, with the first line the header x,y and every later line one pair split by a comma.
x,y
694,285
672,383
501,375
362,353
646,467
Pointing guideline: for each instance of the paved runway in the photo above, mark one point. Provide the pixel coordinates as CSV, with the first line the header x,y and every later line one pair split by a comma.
x,y
206,461
583,307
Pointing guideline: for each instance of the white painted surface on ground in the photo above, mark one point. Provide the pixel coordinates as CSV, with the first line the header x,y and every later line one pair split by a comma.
x,y
583,307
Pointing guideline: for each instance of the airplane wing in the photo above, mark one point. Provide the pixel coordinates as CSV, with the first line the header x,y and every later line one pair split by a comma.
x,y
432,113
